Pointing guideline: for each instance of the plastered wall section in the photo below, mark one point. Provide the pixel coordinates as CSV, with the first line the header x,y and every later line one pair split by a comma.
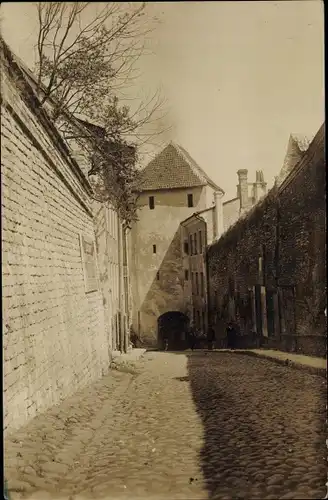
x,y
106,229
54,337
161,227
231,212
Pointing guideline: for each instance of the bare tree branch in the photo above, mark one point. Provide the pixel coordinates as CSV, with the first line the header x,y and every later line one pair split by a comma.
x,y
85,60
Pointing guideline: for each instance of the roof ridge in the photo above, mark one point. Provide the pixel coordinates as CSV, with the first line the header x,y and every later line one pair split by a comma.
x,y
197,169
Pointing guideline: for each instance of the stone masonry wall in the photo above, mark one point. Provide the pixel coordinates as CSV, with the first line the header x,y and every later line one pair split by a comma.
x,y
157,278
54,338
280,245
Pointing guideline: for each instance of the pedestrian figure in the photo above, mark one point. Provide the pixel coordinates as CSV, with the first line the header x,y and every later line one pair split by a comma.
x,y
210,338
192,337
166,343
231,336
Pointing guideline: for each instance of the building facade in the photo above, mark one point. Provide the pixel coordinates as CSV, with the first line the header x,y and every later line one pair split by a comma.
x,y
172,188
194,241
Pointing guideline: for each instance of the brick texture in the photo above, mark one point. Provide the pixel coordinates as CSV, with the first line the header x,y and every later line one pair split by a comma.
x,y
285,234
54,336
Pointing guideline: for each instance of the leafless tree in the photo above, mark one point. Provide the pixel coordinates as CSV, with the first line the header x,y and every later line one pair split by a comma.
x,y
86,59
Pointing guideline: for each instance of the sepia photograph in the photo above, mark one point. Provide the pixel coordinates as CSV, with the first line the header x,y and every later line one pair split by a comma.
x,y
164,278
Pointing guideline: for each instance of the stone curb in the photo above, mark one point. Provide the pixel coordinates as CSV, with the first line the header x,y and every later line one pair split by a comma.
x,y
322,372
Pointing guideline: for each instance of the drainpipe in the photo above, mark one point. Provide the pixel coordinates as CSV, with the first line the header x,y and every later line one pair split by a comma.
x,y
109,296
126,282
206,270
120,277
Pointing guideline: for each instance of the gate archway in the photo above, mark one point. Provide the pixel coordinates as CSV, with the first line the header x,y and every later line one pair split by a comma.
x,y
173,325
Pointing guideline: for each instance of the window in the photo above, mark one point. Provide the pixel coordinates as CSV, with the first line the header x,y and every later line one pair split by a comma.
x,y
202,284
192,284
191,245
151,202
190,200
197,285
186,247
186,274
195,243
200,242
157,275
154,248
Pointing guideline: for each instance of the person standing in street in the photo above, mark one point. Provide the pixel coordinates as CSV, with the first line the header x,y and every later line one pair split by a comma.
x,y
192,337
231,336
210,338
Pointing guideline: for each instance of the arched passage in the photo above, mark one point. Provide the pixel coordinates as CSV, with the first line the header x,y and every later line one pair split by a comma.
x,y
173,325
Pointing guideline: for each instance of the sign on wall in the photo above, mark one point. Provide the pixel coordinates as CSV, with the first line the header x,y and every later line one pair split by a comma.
x,y
89,262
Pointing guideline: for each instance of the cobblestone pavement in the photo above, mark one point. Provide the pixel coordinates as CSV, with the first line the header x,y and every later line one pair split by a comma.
x,y
202,426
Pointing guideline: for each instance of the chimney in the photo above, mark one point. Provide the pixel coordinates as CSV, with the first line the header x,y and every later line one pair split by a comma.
x,y
259,186
243,188
218,215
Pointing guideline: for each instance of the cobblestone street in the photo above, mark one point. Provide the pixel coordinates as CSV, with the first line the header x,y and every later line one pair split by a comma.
x,y
199,426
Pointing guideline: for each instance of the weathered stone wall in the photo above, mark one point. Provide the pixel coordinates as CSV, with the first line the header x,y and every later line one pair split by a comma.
x,y
155,294
54,337
279,245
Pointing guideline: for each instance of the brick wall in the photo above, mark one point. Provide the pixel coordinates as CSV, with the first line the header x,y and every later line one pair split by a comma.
x,y
54,337
279,246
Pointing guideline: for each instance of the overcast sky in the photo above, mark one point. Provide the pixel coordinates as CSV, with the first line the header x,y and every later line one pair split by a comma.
x,y
238,77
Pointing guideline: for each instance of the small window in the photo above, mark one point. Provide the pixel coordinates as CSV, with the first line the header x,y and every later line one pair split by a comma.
x,y
186,274
151,202
190,200
200,242
202,284
186,247
197,285
157,275
195,243
154,248
192,284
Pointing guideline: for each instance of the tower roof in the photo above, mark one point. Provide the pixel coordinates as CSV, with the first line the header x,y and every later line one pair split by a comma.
x,y
173,168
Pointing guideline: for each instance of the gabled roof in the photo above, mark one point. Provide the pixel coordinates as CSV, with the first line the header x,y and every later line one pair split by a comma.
x,y
298,144
173,168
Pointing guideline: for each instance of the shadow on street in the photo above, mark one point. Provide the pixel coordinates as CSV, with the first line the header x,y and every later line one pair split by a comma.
x,y
263,427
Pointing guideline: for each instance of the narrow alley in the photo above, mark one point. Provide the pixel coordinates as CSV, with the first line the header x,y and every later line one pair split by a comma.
x,y
175,426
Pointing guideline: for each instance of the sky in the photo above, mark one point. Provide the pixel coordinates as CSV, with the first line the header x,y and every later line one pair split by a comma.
x,y
237,77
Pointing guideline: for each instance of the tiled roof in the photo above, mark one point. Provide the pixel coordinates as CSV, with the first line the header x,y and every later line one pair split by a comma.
x,y
173,168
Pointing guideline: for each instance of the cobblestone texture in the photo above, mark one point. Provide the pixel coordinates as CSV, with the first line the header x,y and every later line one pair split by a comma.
x,y
214,425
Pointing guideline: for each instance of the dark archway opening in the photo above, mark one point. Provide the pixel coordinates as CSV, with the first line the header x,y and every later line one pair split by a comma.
x,y
173,325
